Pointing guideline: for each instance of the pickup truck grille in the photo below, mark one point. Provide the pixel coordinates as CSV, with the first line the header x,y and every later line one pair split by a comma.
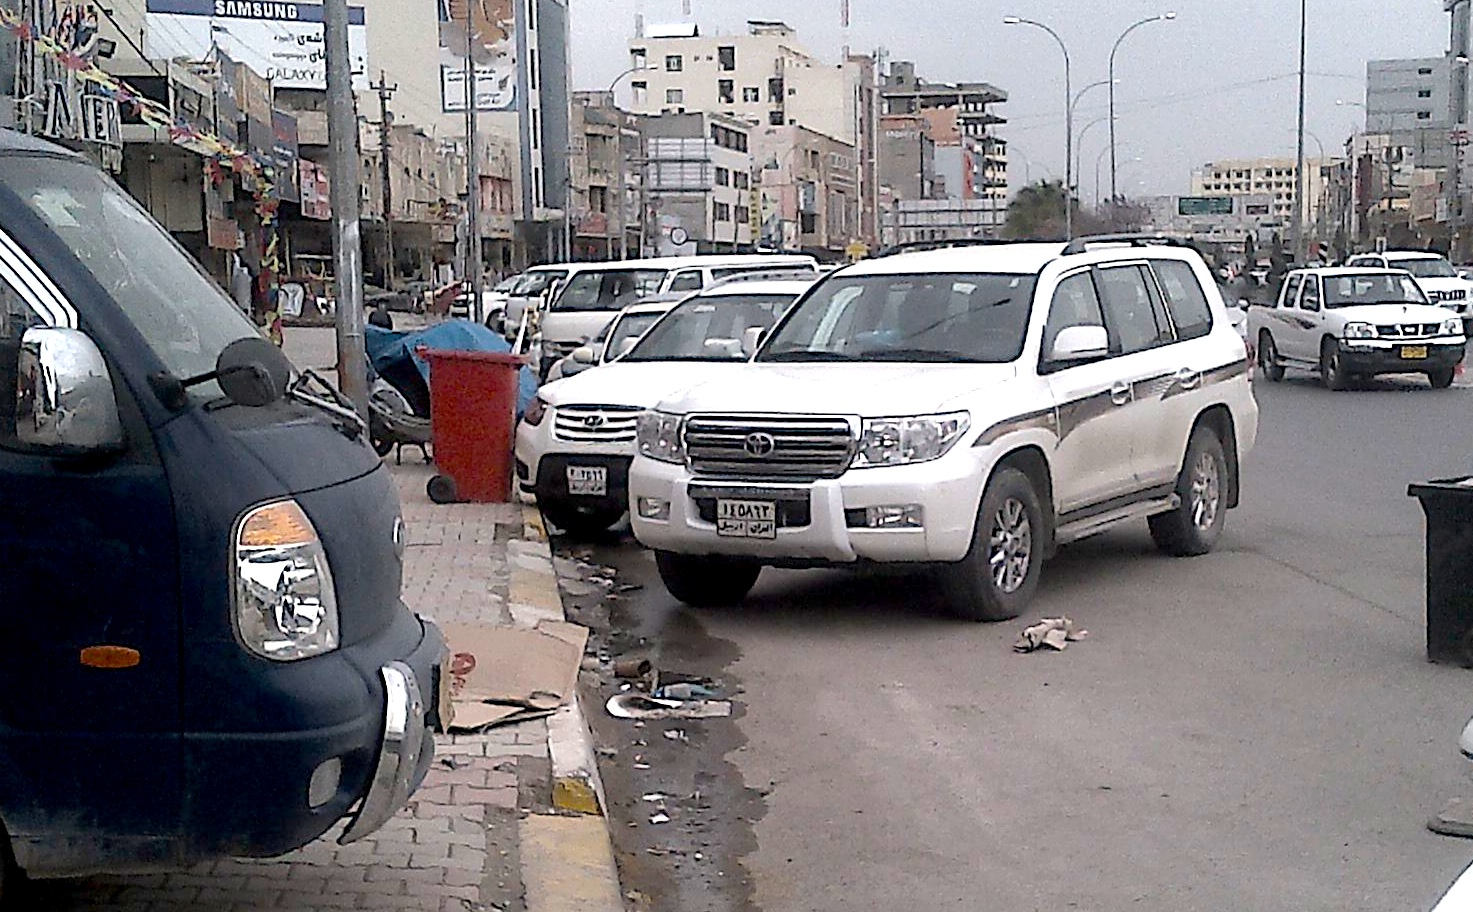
x,y
595,424
1402,331
758,447
1459,294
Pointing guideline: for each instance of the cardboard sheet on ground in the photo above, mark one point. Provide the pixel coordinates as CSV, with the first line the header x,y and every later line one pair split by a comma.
x,y
501,675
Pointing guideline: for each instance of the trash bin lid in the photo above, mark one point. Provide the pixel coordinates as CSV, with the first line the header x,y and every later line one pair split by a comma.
x,y
482,357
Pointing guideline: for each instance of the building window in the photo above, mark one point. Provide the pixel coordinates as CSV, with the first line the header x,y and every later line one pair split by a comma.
x,y
808,223
531,15
1424,71
722,212
743,215
1424,93
1424,115
641,91
726,91
775,91
673,63
751,94
775,118
726,59
536,128
675,96
723,177
742,180
638,58
533,68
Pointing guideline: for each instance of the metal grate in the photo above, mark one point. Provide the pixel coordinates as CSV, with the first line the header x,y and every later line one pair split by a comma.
x,y
757,447
595,424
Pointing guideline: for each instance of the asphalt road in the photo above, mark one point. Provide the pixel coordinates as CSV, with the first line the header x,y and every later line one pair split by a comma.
x,y
1256,729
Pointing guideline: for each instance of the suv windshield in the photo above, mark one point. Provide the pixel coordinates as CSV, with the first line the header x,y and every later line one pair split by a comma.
x,y
709,329
608,289
1373,288
963,317
1425,267
185,318
621,332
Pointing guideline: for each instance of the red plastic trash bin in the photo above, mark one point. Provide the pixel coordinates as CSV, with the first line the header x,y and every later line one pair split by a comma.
x,y
473,400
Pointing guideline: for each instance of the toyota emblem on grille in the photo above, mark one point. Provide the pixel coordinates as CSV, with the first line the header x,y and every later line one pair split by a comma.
x,y
759,444
593,421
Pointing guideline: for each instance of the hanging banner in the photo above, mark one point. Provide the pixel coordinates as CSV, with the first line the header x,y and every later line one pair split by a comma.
x,y
284,156
493,49
280,40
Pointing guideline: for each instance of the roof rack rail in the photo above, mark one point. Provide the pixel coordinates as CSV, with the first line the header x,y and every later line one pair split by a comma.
x,y
1137,239
953,243
775,274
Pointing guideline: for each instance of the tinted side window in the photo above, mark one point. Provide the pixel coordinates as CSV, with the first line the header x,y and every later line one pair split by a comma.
x,y
1129,314
1184,295
687,281
1311,299
1075,304
1291,290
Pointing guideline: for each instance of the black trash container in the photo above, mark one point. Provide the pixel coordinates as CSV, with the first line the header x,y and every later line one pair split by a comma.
x,y
1449,508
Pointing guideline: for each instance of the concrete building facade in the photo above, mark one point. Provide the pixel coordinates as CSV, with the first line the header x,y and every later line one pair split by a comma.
x,y
698,174
1271,177
809,195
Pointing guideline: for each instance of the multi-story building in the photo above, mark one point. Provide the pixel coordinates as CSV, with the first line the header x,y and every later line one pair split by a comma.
x,y
606,140
698,184
1410,99
1271,177
809,195
960,116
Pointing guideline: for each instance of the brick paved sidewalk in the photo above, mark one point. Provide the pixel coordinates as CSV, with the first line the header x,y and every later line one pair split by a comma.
x,y
457,847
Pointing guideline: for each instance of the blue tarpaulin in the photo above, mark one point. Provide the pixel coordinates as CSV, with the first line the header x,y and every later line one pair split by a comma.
x,y
389,348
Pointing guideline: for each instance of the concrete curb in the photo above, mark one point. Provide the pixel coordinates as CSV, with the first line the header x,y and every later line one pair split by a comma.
x,y
567,857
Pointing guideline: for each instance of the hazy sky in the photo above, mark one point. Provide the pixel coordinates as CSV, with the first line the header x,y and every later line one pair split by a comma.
x,y
1219,82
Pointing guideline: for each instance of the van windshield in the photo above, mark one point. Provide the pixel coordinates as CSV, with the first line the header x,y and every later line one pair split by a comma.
x,y
608,289
535,283
181,313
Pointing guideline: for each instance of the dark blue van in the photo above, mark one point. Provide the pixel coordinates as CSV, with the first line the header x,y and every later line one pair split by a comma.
x,y
203,651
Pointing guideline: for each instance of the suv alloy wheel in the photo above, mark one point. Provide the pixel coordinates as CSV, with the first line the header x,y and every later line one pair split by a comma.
x,y
998,577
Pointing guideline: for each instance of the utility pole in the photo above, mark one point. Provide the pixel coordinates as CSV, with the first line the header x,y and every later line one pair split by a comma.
x,y
347,249
473,173
385,122
1298,223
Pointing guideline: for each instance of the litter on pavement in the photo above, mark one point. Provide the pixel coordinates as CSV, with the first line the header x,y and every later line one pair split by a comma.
x,y
638,706
1055,633
501,675
661,817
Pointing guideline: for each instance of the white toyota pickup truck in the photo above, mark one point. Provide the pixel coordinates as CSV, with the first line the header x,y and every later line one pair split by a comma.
x,y
1350,323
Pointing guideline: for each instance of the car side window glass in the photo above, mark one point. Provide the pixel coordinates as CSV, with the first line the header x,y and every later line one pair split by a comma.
x,y
1075,304
1291,291
686,281
1130,315
1184,296
16,316
1311,297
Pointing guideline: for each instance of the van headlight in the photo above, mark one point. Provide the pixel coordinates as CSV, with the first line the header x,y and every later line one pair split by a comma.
x,y
902,441
659,437
285,605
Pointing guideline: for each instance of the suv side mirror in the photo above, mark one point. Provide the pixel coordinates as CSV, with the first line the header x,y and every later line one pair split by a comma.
x,y
65,403
1079,343
584,354
751,339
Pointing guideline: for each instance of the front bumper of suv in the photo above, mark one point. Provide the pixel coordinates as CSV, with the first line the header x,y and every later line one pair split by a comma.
x,y
834,521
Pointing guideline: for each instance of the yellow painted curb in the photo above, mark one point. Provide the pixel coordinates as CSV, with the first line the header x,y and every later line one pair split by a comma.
x,y
568,865
575,795
535,528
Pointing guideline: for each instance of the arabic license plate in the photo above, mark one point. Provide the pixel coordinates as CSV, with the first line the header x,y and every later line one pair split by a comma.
x,y
588,481
1413,352
746,519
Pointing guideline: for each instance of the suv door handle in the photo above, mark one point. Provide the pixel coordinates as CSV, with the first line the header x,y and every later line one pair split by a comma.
x,y
1188,379
1120,393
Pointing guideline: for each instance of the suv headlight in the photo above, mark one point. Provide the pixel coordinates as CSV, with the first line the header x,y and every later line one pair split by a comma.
x,y
285,605
535,412
659,436
1360,331
1452,327
901,441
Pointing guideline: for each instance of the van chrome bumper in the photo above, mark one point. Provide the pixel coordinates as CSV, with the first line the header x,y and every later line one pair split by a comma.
x,y
396,773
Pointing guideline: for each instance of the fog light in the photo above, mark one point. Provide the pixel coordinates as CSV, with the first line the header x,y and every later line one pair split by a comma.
x,y
894,516
653,508
324,782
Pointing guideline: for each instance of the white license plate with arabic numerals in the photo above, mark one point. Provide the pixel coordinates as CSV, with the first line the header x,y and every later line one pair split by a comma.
x,y
746,519
588,481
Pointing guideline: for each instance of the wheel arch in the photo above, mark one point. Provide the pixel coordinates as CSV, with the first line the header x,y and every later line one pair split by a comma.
x,y
1219,419
1031,461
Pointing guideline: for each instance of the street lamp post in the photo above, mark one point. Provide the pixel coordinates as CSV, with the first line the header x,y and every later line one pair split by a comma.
x,y
1079,152
1164,17
619,162
1068,122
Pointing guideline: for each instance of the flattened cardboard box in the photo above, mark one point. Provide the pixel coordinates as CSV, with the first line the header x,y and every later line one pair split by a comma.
x,y
501,675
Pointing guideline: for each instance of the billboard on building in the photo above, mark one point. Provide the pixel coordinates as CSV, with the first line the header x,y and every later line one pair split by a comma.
x,y
493,51
279,39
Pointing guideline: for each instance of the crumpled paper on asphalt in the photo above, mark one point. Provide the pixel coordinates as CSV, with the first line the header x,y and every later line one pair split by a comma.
x,y
1055,633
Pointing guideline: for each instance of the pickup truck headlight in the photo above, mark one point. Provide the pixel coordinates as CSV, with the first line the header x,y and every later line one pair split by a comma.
x,y
1452,327
659,436
285,605
902,441
1360,331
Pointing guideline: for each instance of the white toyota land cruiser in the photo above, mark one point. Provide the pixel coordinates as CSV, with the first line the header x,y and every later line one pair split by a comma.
x,y
967,410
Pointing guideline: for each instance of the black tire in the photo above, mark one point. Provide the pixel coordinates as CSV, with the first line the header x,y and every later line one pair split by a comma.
x,y
1332,372
1183,532
1442,378
441,489
706,582
1009,528
1268,357
580,522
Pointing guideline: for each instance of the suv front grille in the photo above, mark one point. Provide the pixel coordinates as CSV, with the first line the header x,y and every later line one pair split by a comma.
x,y
595,424
756,447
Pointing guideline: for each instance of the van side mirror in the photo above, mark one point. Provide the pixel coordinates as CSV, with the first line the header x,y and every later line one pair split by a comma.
x,y
65,402
1079,343
252,372
751,339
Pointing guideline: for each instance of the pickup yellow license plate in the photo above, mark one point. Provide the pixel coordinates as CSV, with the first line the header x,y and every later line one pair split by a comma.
x,y
1413,352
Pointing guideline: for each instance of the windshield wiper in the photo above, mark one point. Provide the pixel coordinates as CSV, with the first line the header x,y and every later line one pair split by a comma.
x,y
919,355
806,355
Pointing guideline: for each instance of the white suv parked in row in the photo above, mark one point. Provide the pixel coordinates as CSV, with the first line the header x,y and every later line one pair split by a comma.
x,y
967,409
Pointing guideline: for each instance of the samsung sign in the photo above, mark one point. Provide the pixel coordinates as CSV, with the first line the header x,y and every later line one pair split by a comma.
x,y
279,40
